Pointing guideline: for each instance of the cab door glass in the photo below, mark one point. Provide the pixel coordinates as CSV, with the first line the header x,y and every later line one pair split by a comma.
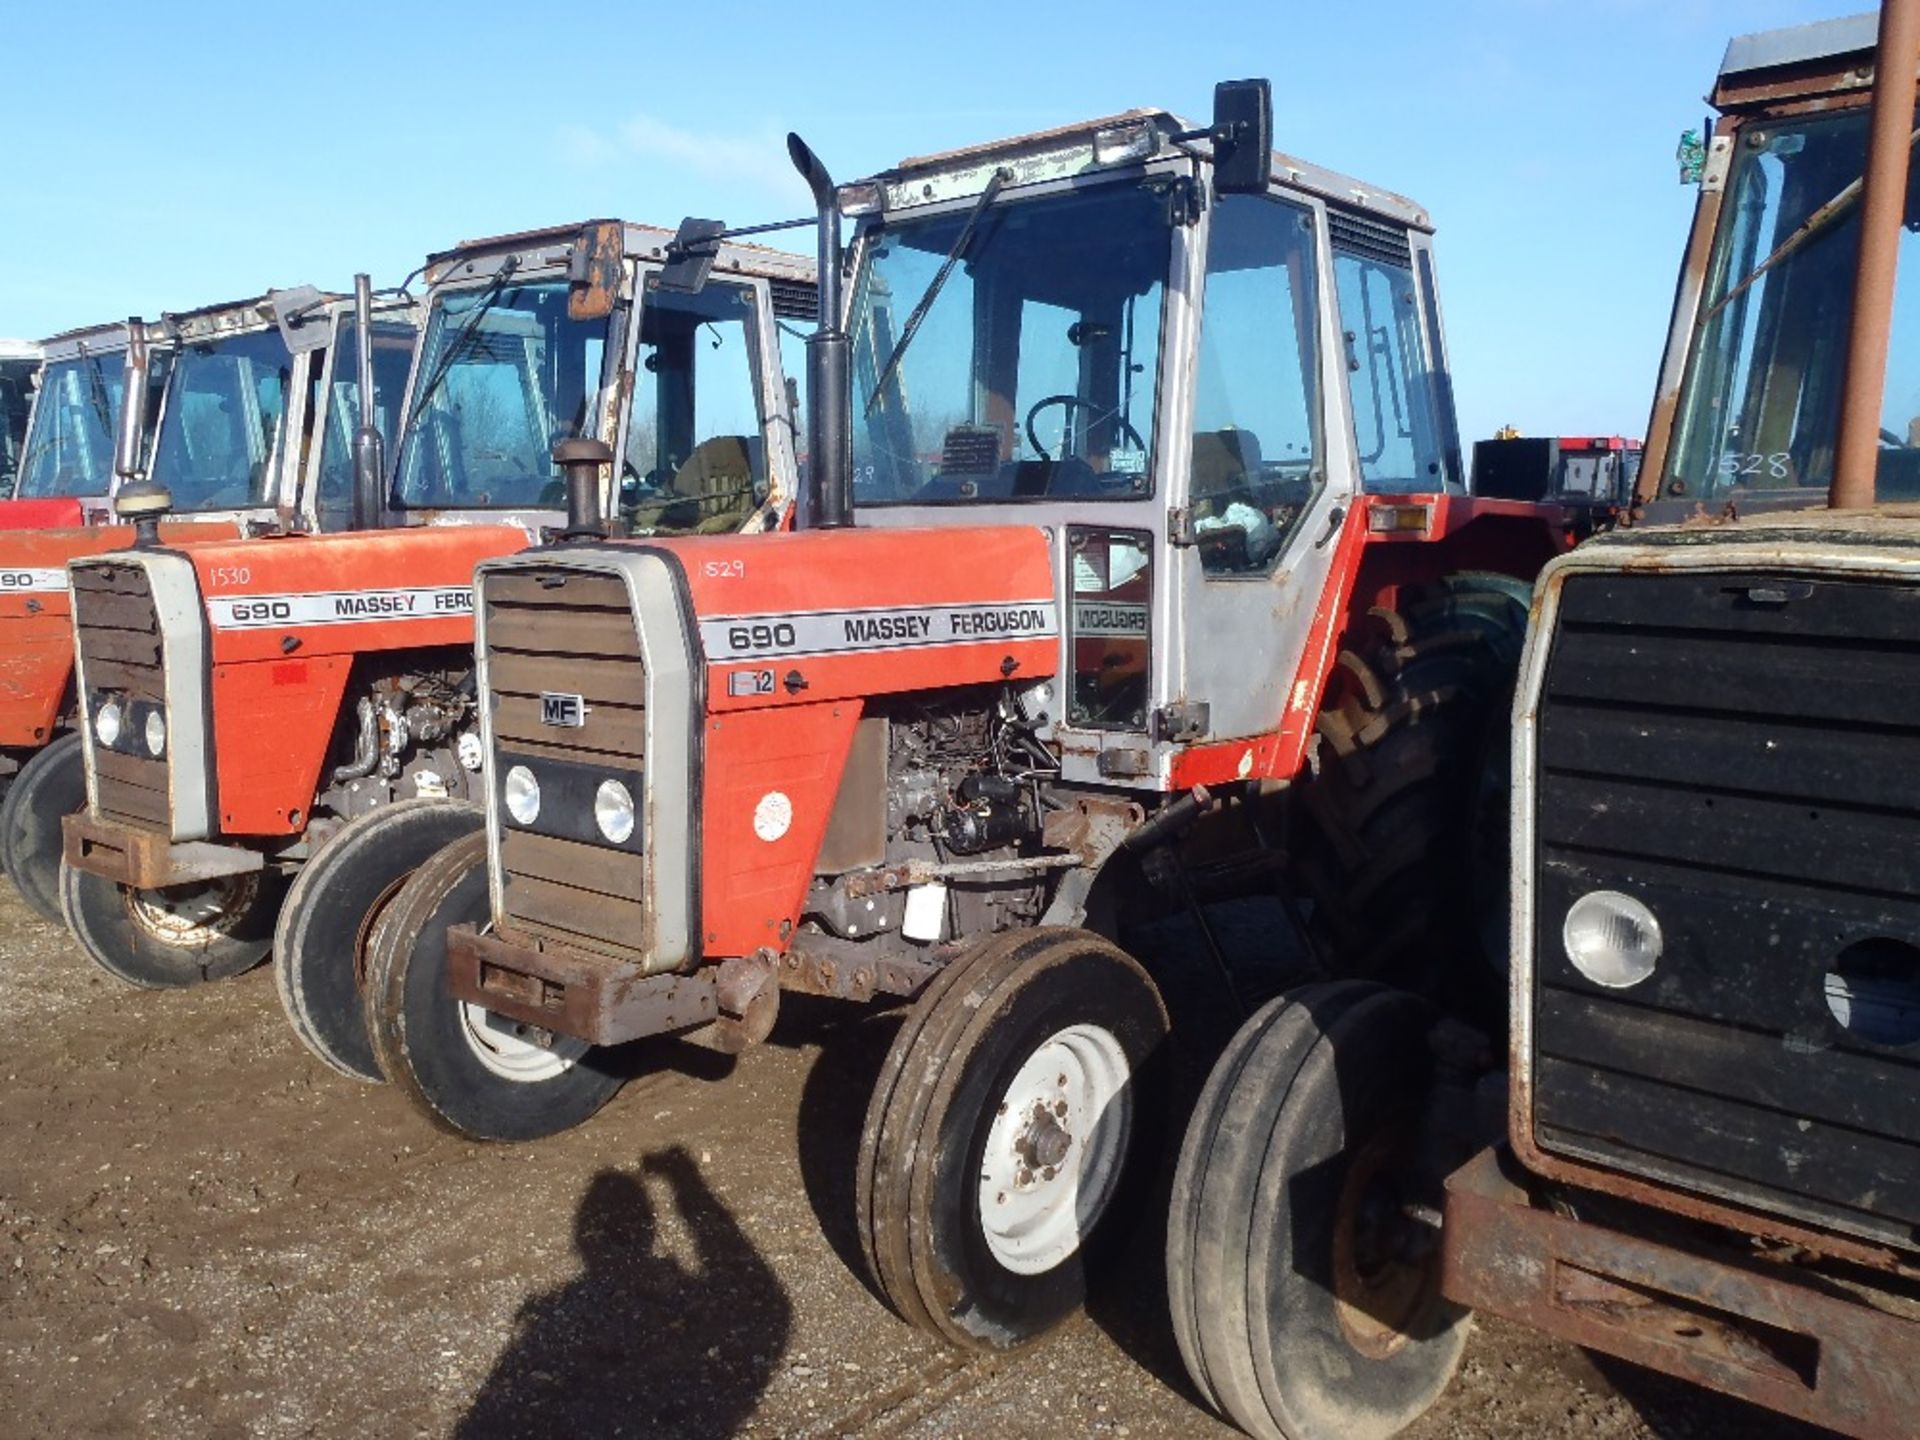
x,y
695,462
1391,383
222,426
1109,627
392,356
1257,445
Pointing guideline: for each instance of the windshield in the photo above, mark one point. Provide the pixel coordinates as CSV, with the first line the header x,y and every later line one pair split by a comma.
x,y
70,451
503,374
221,428
1032,373
392,354
1762,402
695,462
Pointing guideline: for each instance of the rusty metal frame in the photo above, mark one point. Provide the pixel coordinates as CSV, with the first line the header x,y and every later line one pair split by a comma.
x,y
603,1001
1769,1333
147,859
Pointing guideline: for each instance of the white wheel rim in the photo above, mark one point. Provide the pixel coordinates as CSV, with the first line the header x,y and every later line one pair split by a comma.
x,y
1055,1151
189,915
503,1047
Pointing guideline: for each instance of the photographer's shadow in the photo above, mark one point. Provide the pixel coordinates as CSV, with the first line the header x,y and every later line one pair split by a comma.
x,y
640,1343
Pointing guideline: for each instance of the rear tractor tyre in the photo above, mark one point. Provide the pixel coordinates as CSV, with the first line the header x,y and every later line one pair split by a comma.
x,y
327,923
472,1072
1305,1295
50,786
1012,1129
1405,856
181,935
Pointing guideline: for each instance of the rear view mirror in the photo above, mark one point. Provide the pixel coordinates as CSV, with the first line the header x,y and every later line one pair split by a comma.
x,y
1242,137
299,312
593,269
691,255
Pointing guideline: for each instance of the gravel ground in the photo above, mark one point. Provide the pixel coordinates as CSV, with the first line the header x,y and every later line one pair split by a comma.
x,y
203,1232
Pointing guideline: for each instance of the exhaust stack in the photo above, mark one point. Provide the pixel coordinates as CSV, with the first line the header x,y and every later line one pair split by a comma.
x,y
828,500
580,460
135,498
369,453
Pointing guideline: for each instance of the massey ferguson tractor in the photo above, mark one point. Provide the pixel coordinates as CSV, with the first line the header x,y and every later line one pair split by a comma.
x,y
232,425
1110,579
1712,1155
316,692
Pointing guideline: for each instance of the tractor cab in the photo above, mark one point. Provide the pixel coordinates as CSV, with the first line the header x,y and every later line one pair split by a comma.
x,y
537,338
65,461
19,364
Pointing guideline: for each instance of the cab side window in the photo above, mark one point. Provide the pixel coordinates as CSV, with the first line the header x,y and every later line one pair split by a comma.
x,y
1390,378
1258,456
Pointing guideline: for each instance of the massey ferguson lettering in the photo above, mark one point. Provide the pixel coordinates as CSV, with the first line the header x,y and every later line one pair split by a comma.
x,y
833,632
340,607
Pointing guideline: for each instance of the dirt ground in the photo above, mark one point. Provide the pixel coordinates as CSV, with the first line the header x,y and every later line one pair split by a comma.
x,y
203,1232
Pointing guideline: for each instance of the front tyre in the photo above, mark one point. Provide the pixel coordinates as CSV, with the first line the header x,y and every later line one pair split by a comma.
x,y
472,1072
49,787
1305,1296
1012,1126
320,946
169,938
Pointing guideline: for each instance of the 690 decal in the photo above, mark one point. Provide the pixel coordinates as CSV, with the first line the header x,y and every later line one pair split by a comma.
x,y
778,635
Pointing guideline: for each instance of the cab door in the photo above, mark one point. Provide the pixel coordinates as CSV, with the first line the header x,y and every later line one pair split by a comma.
x,y
1267,473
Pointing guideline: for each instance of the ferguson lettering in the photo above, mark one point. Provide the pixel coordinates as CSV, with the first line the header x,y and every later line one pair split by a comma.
x,y
831,632
340,607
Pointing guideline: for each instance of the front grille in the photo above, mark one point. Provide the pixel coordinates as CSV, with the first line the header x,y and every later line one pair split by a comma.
x,y
121,659
564,634
1740,752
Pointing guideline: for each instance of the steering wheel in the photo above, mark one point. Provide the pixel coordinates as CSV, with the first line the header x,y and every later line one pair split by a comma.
x,y
1072,402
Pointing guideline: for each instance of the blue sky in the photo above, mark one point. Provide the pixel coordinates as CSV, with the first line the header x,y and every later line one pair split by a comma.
x,y
161,157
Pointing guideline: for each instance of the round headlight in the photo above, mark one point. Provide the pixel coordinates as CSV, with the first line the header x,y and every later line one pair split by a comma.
x,y
613,811
522,794
106,723
1612,939
156,734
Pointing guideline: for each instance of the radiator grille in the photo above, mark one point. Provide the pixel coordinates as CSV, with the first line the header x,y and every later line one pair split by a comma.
x,y
1741,752
118,633
554,632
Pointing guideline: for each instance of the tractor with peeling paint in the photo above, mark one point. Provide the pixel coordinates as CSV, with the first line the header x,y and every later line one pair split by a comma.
x,y
1111,587
237,400
1712,1156
317,690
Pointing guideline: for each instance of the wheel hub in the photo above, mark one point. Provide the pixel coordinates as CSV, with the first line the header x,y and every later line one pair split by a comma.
x,y
187,915
1385,1269
1055,1149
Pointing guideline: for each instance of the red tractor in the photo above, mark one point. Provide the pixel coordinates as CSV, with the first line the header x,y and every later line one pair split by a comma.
x,y
247,419
317,691
1131,603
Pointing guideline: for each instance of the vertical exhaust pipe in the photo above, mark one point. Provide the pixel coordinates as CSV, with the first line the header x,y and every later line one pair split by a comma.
x,y
135,498
580,460
369,451
828,501
1883,205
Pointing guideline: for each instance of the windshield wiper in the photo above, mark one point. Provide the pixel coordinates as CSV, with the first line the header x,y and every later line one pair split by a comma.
x,y
97,391
919,313
452,354
1810,228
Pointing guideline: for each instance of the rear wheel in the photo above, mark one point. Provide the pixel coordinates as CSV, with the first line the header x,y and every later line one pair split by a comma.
x,y
1017,1110
181,935
473,1072
320,945
1305,1297
50,786
1406,855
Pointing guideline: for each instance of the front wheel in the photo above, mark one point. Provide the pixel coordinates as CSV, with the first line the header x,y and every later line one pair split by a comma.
x,y
1304,1284
327,924
49,787
1013,1123
169,938
471,1071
